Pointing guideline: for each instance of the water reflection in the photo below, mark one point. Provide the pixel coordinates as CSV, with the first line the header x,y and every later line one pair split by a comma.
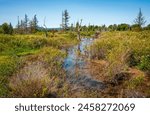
x,y
75,63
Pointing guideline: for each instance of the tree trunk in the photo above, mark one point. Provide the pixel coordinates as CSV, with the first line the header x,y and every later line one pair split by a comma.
x,y
78,35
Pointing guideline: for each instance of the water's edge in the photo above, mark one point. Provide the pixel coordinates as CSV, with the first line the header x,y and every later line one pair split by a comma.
x,y
74,64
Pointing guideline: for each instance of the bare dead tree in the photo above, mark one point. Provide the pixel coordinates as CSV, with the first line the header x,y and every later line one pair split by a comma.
x,y
79,27
45,28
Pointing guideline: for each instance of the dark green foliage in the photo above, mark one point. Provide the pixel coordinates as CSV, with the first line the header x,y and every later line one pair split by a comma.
x,y
90,28
1,30
6,29
10,29
145,63
112,27
123,27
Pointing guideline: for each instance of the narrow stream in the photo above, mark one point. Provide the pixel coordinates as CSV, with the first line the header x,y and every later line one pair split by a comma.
x,y
75,66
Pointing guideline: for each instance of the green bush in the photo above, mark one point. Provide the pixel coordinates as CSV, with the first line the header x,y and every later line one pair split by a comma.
x,y
145,63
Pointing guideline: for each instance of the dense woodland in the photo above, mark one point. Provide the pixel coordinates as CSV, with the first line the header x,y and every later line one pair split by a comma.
x,y
31,58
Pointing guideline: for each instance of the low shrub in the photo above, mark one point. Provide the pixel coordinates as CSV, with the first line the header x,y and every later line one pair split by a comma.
x,y
117,59
135,82
29,86
145,63
8,65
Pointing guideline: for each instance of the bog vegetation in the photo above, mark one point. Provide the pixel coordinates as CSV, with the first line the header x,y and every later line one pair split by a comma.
x,y
21,51
31,58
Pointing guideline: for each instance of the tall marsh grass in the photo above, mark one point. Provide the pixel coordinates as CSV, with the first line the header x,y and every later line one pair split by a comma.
x,y
122,49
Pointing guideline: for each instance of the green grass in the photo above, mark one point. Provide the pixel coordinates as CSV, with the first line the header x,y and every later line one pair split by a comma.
x,y
10,45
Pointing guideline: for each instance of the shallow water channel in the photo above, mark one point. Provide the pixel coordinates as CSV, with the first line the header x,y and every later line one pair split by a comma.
x,y
75,66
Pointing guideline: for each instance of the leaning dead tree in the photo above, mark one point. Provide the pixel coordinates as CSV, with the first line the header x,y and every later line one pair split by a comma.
x,y
45,28
79,27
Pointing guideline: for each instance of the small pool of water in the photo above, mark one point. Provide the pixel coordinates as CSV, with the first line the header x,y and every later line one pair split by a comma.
x,y
75,63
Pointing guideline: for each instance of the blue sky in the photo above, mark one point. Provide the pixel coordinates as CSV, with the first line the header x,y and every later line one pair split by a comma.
x,y
95,12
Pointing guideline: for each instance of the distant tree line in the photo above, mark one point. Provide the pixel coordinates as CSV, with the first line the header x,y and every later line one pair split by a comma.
x,y
115,27
27,26
6,28
139,22
24,26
